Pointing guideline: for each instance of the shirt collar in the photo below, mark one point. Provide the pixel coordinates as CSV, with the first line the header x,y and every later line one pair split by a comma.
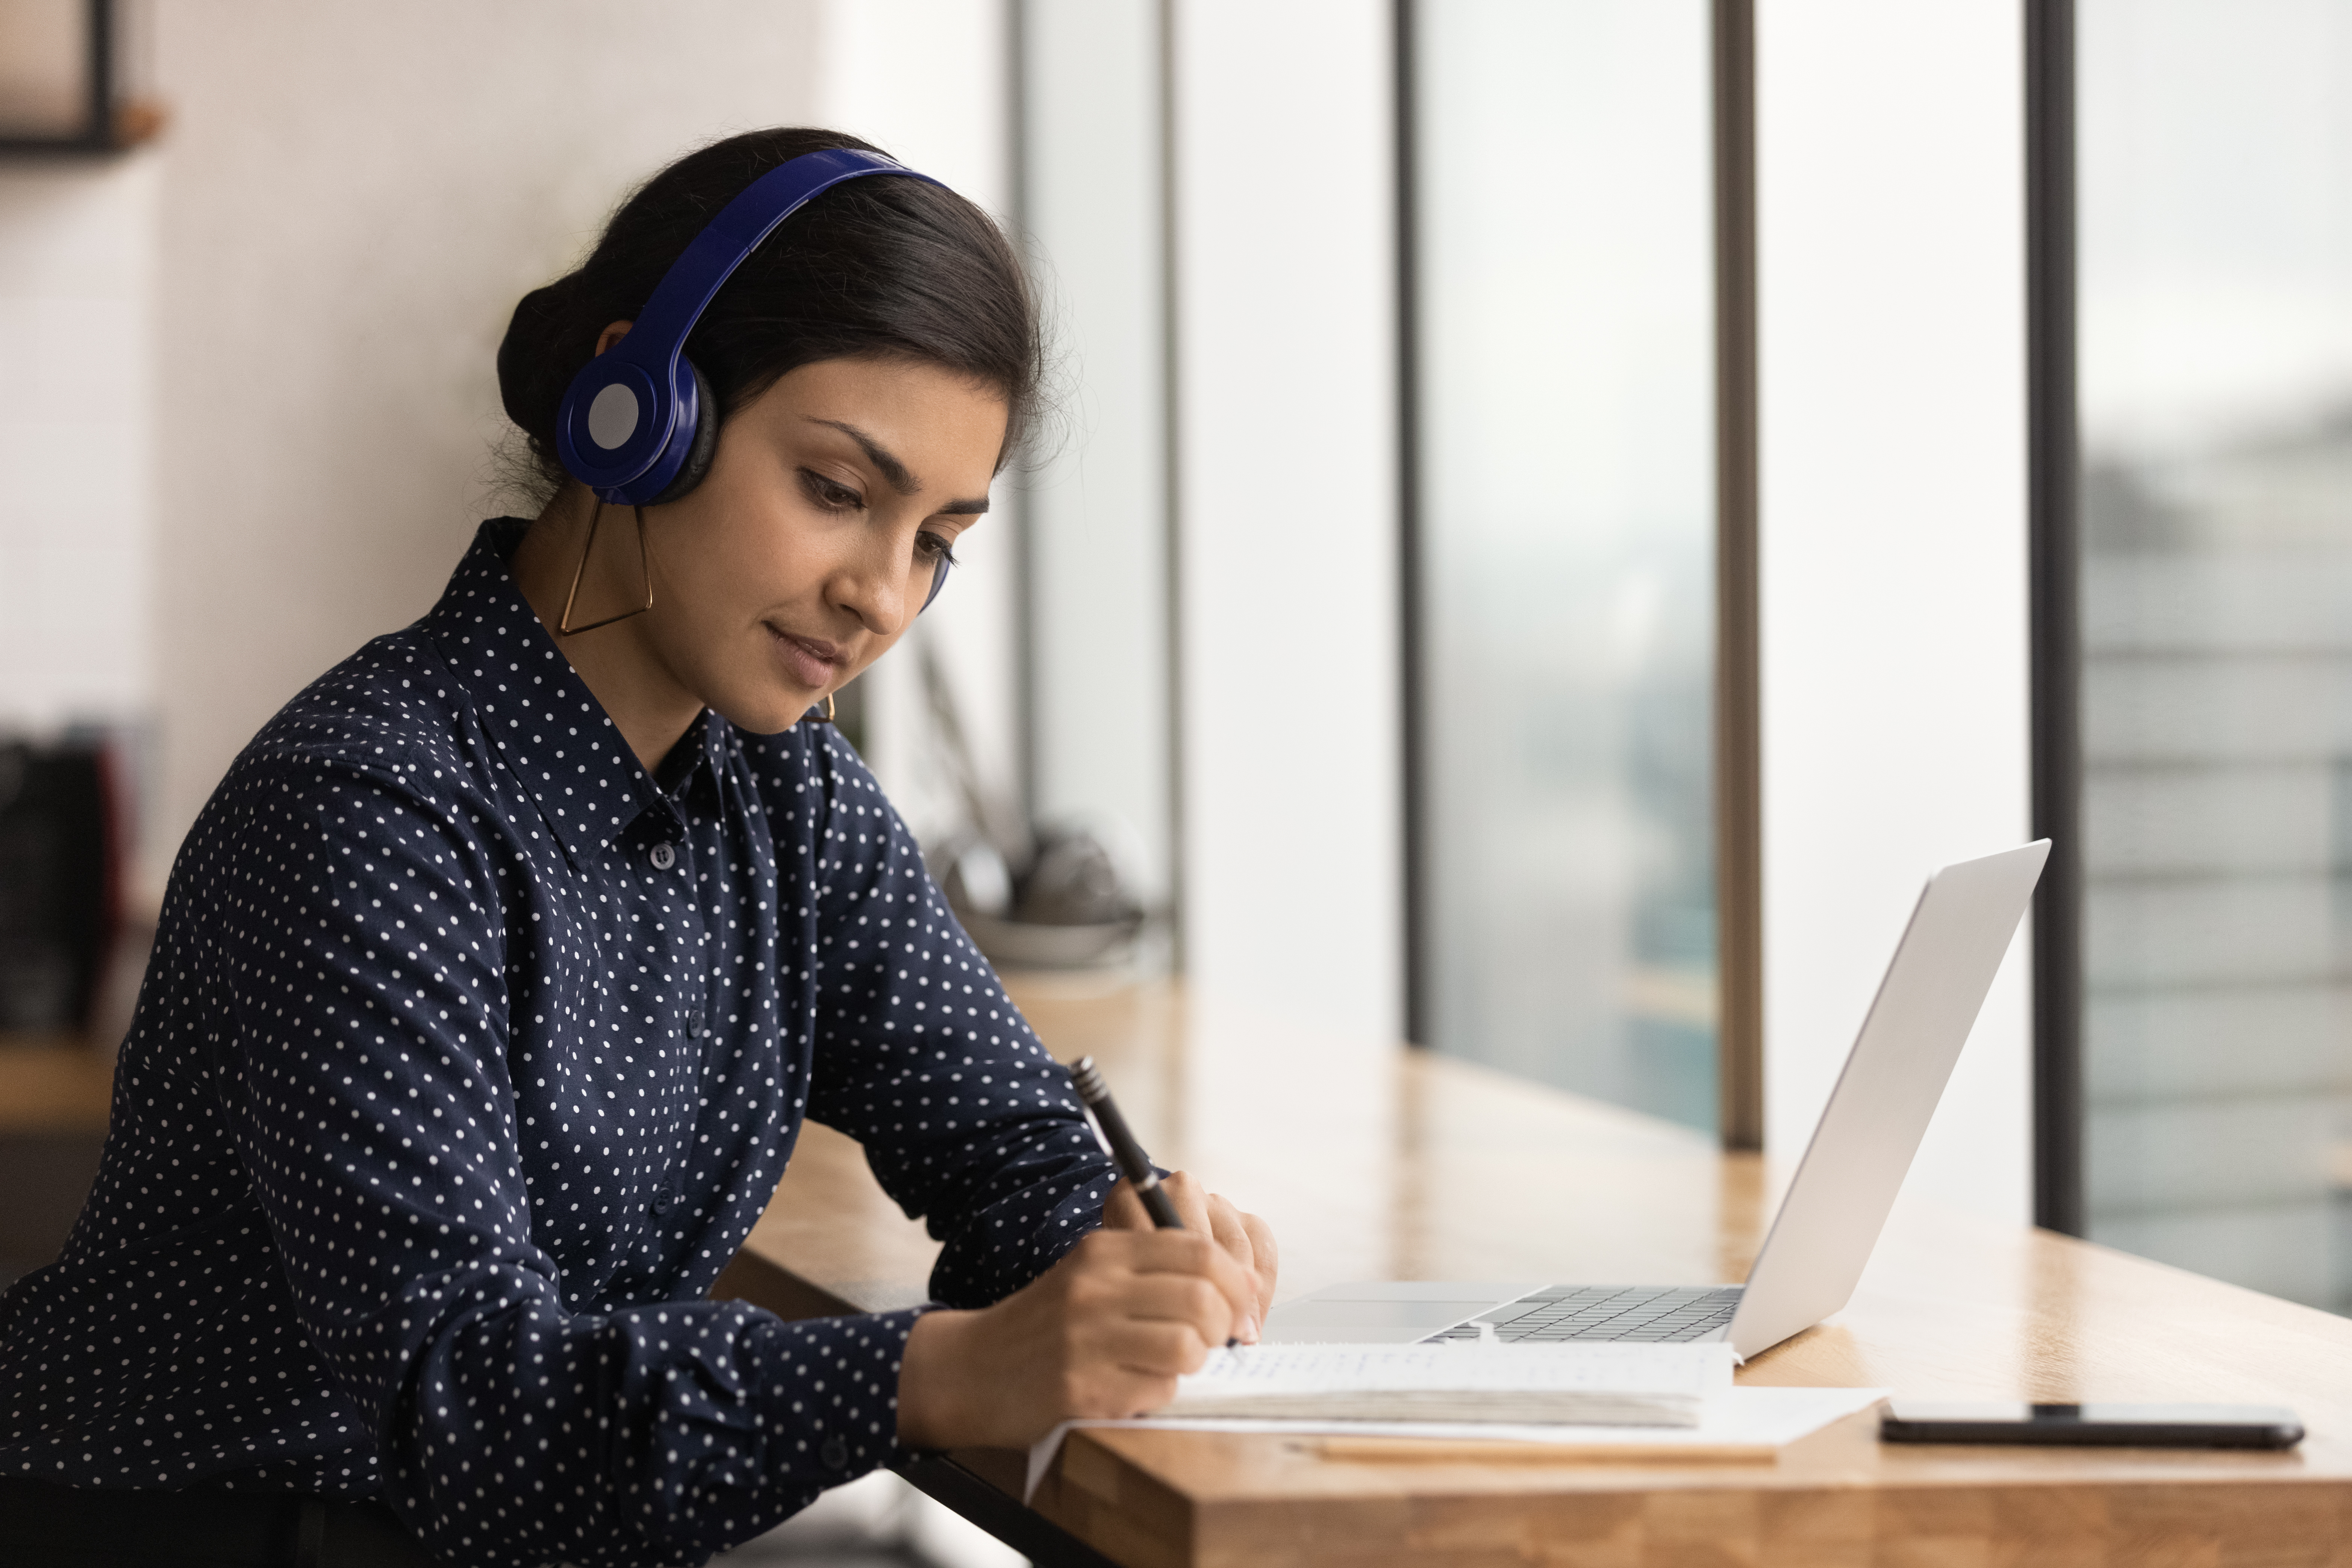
x,y
696,760
549,729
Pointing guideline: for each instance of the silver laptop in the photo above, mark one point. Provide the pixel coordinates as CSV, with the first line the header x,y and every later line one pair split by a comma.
x,y
1837,1203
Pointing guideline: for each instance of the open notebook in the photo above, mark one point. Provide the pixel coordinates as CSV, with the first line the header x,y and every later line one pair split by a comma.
x,y
1577,1384
1658,1404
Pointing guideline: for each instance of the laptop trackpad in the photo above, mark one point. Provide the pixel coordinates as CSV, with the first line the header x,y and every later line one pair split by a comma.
x,y
1366,1323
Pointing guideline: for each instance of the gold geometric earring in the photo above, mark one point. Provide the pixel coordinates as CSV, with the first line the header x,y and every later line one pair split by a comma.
x,y
828,707
564,627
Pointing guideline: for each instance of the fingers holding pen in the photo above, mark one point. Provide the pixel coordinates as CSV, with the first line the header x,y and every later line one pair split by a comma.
x,y
1191,1198
1265,1261
1140,1309
1174,1273
1177,1201
1106,1332
1231,1229
1246,1239
1171,1324
1196,1256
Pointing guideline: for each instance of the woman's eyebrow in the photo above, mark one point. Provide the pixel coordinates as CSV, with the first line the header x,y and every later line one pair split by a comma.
x,y
895,471
881,456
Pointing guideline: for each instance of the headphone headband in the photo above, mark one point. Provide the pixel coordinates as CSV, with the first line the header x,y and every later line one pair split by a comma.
x,y
628,420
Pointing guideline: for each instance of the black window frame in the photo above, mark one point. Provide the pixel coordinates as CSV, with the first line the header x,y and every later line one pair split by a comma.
x,y
2053,551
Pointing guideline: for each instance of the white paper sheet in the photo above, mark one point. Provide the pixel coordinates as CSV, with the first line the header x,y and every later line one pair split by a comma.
x,y
1762,1417
1616,1384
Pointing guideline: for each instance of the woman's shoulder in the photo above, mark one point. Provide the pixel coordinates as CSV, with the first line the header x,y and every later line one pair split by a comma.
x,y
374,754
393,710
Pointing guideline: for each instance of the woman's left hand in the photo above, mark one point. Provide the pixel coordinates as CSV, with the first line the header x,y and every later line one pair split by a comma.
x,y
1244,1236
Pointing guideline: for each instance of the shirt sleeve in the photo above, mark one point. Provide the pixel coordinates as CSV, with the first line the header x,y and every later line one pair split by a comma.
x,y
361,1068
966,1121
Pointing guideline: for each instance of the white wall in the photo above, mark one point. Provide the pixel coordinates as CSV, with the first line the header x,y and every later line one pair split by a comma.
x,y
1893,566
1286,522
354,198
77,274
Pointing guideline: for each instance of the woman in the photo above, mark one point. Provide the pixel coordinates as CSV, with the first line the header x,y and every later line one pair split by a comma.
x,y
496,979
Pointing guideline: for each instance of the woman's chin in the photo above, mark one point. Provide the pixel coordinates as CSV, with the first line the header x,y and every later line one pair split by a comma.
x,y
770,713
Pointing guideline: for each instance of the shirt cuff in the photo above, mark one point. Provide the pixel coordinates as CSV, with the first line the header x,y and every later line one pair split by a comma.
x,y
831,1387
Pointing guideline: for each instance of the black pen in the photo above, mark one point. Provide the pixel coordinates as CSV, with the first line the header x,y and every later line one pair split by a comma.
x,y
1119,1143
1125,1153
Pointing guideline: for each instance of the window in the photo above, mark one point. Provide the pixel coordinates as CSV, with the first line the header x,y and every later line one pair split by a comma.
x,y
2213,228
1563,410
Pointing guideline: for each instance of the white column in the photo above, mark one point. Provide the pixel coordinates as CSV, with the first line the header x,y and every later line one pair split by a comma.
x,y
1284,292
1890,169
1097,511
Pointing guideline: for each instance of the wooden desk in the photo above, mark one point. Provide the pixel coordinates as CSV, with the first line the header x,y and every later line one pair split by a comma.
x,y
53,1094
1385,1163
53,1083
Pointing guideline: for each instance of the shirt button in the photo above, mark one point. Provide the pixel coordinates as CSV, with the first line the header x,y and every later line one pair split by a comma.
x,y
835,1453
663,857
663,1200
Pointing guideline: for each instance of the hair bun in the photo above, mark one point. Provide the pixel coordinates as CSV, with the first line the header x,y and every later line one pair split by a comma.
x,y
533,369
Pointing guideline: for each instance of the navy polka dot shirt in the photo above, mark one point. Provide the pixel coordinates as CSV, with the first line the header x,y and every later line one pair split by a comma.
x,y
469,1055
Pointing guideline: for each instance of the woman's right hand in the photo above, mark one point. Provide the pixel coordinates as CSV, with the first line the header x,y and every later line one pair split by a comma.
x,y
1104,1332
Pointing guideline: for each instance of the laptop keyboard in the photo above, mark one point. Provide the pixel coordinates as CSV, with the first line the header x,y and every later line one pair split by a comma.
x,y
1650,1315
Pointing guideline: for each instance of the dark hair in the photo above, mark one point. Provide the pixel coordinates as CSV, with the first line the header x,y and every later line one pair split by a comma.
x,y
882,266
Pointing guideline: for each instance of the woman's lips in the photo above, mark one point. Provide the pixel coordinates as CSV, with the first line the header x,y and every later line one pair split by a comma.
x,y
814,663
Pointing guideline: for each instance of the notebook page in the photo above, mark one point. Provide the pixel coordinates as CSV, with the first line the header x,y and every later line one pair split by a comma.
x,y
1673,1371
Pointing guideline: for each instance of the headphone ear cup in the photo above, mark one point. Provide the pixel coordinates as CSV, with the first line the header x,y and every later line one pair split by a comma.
x,y
704,445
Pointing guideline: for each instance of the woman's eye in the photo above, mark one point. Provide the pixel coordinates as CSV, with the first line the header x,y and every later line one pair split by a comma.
x,y
829,494
935,547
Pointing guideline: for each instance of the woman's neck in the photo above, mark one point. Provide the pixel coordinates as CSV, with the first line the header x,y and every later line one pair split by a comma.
x,y
619,663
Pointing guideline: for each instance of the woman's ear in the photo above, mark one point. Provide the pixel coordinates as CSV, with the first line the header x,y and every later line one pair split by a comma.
x,y
612,335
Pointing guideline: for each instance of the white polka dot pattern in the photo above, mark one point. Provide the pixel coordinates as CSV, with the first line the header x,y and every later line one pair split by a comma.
x,y
469,1055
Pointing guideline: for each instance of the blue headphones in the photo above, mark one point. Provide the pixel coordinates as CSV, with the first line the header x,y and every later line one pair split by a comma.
x,y
632,425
